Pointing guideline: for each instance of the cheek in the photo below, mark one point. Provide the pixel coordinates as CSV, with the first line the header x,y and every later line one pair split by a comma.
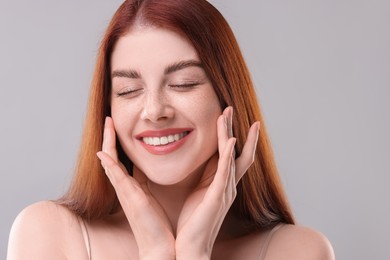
x,y
203,110
203,102
206,109
123,116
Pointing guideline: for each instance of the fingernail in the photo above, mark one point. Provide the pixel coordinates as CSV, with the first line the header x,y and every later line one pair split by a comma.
x,y
99,155
228,110
229,113
258,125
257,131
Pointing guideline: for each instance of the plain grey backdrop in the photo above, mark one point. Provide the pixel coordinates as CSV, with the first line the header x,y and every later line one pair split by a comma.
x,y
322,73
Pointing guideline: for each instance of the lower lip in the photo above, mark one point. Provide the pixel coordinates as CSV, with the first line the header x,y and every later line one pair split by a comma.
x,y
165,149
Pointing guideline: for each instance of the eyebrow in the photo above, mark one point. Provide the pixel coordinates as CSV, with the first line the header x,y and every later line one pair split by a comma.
x,y
182,65
133,74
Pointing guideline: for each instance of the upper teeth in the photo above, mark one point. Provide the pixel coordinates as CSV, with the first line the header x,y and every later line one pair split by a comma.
x,y
164,139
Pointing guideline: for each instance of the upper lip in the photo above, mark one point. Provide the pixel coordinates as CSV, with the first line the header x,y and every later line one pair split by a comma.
x,y
163,132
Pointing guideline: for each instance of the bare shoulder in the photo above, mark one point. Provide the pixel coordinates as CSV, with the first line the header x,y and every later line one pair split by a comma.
x,y
44,211
298,242
41,230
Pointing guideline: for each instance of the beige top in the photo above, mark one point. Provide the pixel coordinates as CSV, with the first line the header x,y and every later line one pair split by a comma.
x,y
261,256
84,230
267,240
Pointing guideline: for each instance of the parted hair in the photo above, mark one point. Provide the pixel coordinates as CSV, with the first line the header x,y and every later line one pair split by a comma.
x,y
260,201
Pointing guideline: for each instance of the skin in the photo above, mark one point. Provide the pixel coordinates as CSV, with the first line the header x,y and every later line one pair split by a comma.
x,y
175,206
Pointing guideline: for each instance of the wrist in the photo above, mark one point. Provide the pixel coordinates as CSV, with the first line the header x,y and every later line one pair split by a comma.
x,y
193,257
192,252
191,248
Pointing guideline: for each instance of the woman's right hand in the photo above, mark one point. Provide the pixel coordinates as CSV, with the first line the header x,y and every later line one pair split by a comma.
x,y
149,223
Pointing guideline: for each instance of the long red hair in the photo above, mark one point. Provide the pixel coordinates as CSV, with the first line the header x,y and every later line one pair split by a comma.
x,y
260,198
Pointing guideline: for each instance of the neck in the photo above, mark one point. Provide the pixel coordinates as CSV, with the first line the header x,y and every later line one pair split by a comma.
x,y
172,197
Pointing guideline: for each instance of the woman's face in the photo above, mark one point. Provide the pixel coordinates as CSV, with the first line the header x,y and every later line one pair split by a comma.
x,y
163,105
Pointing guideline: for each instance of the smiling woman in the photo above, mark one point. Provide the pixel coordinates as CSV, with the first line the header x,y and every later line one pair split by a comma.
x,y
184,168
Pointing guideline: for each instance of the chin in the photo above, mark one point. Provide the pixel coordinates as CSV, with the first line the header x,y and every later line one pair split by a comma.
x,y
173,174
164,174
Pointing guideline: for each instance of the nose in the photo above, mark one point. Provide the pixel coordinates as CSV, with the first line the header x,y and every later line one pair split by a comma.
x,y
156,107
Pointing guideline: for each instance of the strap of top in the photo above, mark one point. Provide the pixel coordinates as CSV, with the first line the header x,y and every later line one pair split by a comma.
x,y
84,231
267,241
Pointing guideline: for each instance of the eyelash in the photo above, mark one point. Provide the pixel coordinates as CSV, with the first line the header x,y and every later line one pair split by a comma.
x,y
186,85
126,92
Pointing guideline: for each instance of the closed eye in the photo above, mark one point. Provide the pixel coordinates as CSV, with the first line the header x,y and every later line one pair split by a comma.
x,y
184,86
130,92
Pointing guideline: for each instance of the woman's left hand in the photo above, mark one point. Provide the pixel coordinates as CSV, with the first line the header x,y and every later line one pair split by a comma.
x,y
205,209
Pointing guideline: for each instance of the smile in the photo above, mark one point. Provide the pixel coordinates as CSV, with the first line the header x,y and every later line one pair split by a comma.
x,y
164,140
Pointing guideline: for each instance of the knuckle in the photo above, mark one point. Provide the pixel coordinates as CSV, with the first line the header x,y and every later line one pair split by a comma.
x,y
117,177
234,193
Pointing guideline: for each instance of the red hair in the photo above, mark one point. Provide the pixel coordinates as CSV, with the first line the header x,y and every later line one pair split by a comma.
x,y
260,198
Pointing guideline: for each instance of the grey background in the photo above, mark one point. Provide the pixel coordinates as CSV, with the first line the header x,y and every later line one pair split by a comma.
x,y
322,71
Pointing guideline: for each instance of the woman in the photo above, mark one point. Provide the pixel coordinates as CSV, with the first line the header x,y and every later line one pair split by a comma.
x,y
182,178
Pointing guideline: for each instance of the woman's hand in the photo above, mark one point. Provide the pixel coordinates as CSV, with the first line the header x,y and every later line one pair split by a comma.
x,y
205,209
147,219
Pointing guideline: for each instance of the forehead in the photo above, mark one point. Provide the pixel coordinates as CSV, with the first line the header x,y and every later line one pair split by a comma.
x,y
147,47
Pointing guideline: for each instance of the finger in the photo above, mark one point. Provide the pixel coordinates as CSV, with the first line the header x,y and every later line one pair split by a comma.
x,y
229,115
130,193
222,137
222,130
109,140
230,125
113,170
125,186
221,178
232,170
232,180
248,152
209,172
